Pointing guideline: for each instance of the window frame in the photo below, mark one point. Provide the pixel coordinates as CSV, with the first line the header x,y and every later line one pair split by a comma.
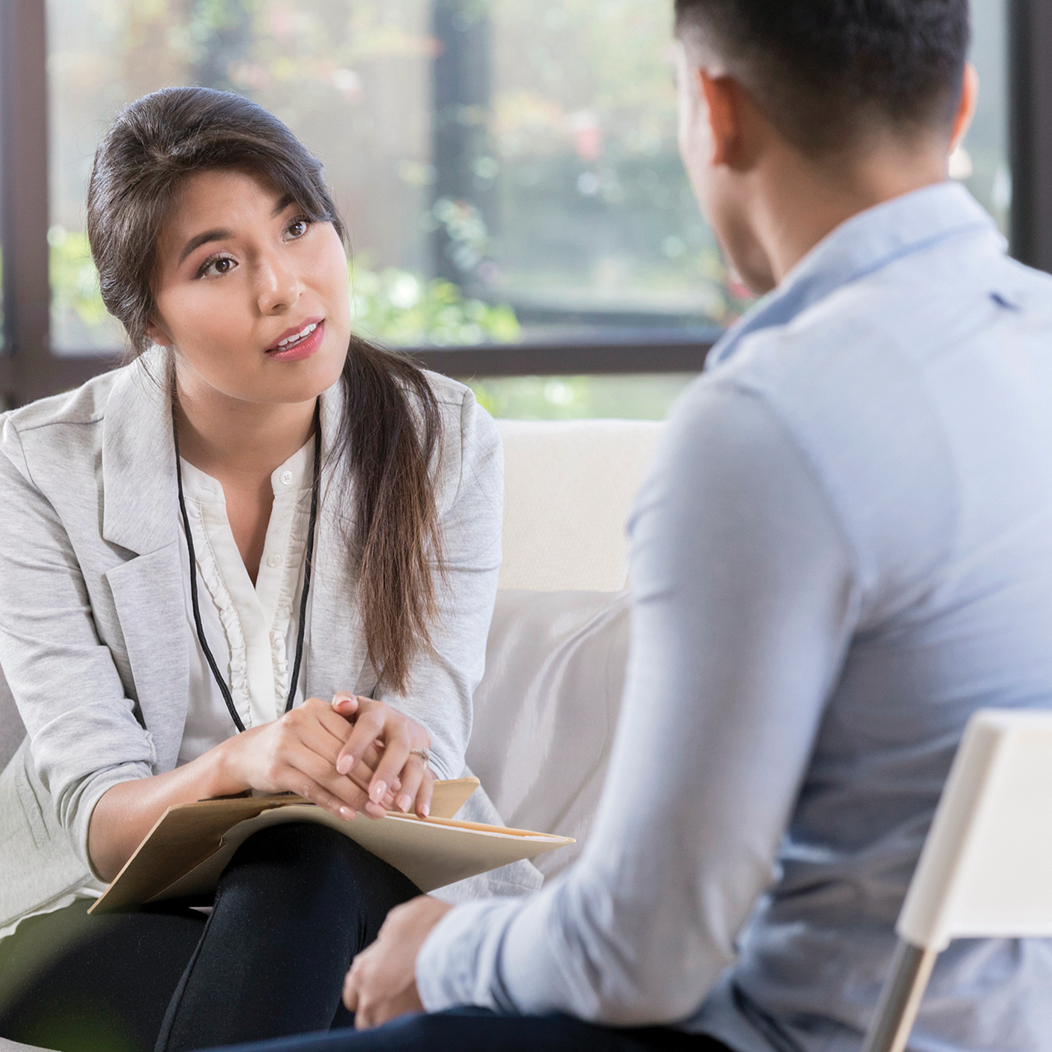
x,y
29,368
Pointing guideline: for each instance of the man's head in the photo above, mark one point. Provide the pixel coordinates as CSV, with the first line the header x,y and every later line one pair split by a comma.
x,y
825,72
835,86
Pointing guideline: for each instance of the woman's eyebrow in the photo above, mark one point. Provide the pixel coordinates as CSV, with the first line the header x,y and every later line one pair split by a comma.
x,y
200,239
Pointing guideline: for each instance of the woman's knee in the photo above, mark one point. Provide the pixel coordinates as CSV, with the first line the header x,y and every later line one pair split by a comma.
x,y
291,858
310,863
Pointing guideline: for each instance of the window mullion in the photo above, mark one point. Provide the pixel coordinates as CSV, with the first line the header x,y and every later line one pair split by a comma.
x,y
28,364
1031,131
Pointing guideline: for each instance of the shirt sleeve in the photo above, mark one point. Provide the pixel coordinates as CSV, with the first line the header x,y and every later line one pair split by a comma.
x,y
744,603
471,501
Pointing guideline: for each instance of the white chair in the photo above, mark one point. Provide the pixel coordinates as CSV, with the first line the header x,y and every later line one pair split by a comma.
x,y
986,867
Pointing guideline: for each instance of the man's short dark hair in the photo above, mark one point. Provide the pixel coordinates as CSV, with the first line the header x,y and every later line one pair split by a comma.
x,y
825,72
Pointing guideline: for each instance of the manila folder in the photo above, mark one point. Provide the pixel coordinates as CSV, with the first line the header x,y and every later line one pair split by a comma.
x,y
186,851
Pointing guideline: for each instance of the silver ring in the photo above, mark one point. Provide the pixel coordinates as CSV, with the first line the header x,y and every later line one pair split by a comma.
x,y
422,753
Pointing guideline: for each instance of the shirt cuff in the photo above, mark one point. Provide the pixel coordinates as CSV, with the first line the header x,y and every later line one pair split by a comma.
x,y
459,961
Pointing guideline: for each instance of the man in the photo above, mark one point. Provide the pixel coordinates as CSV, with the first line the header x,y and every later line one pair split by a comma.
x,y
843,549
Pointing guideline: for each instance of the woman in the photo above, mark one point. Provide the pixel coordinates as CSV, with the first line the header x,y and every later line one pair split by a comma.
x,y
260,557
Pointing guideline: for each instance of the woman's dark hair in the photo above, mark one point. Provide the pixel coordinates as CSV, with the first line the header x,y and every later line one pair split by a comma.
x,y
390,430
826,71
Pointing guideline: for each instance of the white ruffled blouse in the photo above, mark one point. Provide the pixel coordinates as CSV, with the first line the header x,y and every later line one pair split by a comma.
x,y
250,629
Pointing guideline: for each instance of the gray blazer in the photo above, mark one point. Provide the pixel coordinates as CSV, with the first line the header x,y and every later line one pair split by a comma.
x,y
94,638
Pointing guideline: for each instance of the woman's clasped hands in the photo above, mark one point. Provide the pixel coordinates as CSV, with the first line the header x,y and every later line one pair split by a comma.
x,y
348,755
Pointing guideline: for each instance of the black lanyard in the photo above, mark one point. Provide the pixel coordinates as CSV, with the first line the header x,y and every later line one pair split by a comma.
x,y
223,688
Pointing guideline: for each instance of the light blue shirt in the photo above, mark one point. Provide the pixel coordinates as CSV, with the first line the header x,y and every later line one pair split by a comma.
x,y
843,548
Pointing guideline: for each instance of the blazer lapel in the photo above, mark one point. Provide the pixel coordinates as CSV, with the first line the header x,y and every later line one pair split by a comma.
x,y
140,514
337,653
148,594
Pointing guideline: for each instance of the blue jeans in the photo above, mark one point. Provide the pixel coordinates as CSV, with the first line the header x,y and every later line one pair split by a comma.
x,y
479,1030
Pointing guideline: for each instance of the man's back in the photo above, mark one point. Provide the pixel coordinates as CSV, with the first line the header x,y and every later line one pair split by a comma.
x,y
919,393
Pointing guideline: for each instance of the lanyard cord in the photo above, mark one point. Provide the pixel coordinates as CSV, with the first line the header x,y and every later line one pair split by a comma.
x,y
294,678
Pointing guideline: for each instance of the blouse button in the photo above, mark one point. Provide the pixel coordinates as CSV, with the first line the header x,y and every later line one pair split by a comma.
x,y
286,478
274,561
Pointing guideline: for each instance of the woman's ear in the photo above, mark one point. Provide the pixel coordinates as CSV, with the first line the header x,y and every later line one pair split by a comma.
x,y
157,333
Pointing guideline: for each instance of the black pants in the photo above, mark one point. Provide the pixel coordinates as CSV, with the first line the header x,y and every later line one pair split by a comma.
x,y
478,1030
295,904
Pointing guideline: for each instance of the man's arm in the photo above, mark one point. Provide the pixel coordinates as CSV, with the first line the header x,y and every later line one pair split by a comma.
x,y
744,606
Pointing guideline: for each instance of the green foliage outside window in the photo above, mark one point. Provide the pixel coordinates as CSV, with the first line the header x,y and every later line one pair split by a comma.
x,y
399,307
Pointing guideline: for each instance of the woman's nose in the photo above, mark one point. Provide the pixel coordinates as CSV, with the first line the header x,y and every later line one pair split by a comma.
x,y
278,285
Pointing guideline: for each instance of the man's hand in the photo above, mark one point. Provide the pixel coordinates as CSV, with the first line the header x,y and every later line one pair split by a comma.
x,y
382,981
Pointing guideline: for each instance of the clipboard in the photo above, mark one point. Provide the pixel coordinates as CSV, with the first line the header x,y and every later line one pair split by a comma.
x,y
185,852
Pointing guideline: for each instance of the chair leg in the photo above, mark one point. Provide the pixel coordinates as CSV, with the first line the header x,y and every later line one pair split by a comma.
x,y
901,997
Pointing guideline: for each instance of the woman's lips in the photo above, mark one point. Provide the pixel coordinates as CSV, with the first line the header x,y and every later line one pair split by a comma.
x,y
303,349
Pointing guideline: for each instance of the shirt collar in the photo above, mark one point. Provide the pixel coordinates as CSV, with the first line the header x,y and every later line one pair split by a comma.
x,y
860,246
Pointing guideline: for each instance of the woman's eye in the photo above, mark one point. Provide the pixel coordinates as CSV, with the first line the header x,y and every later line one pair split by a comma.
x,y
217,265
298,227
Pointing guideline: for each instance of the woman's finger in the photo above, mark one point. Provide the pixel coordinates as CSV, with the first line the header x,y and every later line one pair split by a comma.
x,y
412,776
345,703
298,782
336,731
330,717
390,767
369,725
304,746
423,794
321,773
315,730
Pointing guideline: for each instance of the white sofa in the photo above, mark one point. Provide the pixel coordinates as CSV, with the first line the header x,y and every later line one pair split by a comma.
x,y
546,709
547,706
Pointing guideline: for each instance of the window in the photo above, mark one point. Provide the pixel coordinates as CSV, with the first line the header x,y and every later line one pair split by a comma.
x,y
983,162
507,168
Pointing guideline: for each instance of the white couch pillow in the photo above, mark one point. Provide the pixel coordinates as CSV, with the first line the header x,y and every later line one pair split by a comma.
x,y
568,489
547,707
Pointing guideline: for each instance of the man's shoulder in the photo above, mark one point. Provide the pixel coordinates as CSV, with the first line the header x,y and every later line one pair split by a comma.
x,y
893,330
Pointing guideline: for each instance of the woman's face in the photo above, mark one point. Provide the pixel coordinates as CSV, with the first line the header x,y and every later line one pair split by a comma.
x,y
251,295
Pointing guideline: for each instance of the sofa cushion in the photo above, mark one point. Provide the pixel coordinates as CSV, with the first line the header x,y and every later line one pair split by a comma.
x,y
12,730
568,488
547,707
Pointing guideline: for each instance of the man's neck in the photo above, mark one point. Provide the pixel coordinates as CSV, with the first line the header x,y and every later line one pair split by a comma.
x,y
799,202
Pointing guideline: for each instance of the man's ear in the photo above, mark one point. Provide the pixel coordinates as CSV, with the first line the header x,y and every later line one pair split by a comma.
x,y
966,105
726,105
